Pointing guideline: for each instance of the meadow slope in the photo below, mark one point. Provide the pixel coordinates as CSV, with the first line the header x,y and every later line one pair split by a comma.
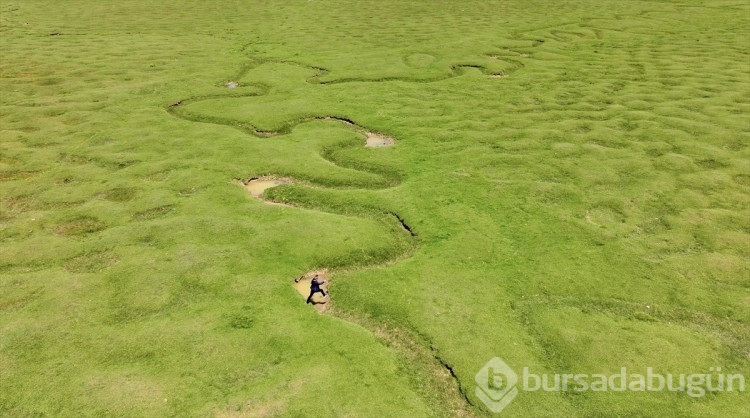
x,y
568,191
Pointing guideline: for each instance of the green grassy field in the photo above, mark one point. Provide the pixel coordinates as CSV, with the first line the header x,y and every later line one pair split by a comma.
x,y
575,175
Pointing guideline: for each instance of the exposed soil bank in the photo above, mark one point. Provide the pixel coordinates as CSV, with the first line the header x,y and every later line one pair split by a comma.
x,y
256,186
318,301
378,141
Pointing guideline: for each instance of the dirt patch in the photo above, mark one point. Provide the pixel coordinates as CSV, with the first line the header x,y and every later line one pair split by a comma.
x,y
318,301
257,185
499,75
232,85
378,141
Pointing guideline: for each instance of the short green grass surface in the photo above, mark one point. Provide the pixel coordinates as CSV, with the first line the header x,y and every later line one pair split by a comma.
x,y
576,177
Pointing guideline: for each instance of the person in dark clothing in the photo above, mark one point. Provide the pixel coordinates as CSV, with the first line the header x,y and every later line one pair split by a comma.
x,y
315,287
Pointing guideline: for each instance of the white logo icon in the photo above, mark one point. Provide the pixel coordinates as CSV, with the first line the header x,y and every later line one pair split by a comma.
x,y
496,385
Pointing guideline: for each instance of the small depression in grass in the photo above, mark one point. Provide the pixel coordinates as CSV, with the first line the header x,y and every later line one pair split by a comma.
x,y
318,301
378,141
79,226
90,263
419,60
153,212
121,194
603,217
16,175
